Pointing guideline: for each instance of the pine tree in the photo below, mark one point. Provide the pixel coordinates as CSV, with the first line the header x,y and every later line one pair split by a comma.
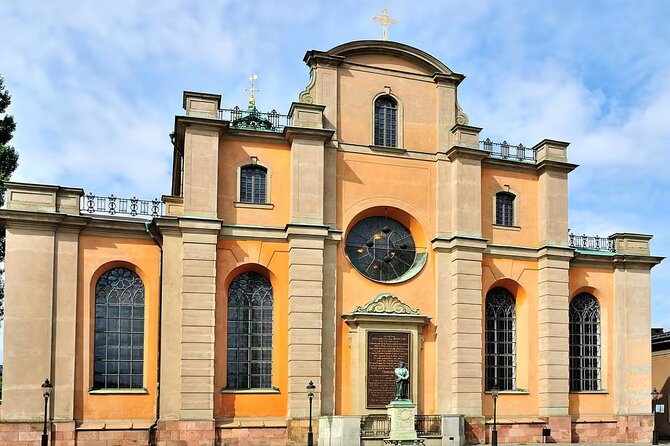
x,y
9,160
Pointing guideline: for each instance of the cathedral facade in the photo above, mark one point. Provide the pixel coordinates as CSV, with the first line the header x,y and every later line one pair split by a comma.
x,y
298,259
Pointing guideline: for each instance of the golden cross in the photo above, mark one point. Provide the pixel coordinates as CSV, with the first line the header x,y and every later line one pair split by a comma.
x,y
252,90
384,20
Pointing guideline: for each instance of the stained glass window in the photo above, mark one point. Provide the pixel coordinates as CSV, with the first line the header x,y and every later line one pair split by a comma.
x,y
249,352
500,340
381,248
505,209
386,122
118,361
253,184
584,343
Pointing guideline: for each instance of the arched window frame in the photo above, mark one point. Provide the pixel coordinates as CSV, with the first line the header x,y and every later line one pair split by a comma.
x,y
121,327
268,176
250,332
399,120
500,339
585,343
505,213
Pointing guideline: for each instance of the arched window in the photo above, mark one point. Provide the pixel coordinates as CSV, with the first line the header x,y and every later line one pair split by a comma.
x,y
253,184
118,361
500,335
386,122
249,353
505,209
584,343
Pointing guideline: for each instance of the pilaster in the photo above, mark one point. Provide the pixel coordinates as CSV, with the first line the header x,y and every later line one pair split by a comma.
x,y
40,319
198,297
459,340
305,317
553,331
552,200
466,181
171,320
329,324
632,323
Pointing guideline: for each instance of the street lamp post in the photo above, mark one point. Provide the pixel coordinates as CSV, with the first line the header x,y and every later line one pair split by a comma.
x,y
654,397
310,394
46,393
494,434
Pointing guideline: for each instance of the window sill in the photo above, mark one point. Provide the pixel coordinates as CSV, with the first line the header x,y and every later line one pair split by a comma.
x,y
586,392
142,391
510,392
239,204
387,149
273,390
507,228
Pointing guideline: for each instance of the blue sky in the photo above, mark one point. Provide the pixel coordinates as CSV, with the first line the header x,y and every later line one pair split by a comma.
x,y
96,85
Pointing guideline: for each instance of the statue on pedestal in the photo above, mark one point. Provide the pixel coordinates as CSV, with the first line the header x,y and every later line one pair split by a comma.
x,y
401,382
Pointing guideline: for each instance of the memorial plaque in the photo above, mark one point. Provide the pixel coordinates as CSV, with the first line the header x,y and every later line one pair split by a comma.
x,y
385,350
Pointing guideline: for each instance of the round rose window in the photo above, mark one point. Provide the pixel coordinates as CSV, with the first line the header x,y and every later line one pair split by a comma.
x,y
383,250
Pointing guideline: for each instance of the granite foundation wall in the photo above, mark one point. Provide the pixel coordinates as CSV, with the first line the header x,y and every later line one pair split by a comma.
x,y
622,429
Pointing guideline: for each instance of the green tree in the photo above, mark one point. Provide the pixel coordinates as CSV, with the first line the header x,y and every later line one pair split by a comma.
x,y
9,160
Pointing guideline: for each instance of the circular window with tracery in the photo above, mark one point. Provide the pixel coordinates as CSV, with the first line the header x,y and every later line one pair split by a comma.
x,y
383,250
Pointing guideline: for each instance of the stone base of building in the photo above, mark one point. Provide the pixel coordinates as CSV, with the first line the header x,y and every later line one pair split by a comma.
x,y
620,429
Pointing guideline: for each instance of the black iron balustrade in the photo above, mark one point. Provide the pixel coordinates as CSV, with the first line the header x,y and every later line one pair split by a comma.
x,y
375,426
252,119
504,150
428,425
111,205
590,243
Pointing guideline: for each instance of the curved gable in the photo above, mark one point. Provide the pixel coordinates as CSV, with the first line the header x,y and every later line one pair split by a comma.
x,y
373,51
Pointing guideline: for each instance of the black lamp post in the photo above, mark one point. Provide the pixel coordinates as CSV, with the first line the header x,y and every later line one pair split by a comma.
x,y
46,392
495,390
654,397
310,394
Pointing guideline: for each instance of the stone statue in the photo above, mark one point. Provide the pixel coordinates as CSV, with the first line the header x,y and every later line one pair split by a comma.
x,y
401,382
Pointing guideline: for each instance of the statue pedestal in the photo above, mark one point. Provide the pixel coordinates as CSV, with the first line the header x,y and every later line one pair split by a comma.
x,y
402,413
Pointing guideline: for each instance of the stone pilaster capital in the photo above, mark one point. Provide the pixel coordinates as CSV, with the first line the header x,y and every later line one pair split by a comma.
x,y
555,253
303,230
201,225
458,243
292,133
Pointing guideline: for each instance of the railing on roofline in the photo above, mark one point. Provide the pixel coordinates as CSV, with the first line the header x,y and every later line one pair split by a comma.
x,y
428,425
504,150
252,119
590,243
375,426
111,205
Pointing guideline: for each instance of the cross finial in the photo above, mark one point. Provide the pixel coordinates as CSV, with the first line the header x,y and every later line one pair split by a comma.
x,y
384,19
252,90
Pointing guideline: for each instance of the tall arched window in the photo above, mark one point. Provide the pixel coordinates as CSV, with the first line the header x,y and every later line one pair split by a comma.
x,y
249,353
505,209
253,184
386,122
500,336
118,361
584,343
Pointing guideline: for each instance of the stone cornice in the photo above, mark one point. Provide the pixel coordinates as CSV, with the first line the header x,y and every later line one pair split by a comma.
x,y
386,304
302,230
458,242
291,133
385,308
558,166
635,261
466,152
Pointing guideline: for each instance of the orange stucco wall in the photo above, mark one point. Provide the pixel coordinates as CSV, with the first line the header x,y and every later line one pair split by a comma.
x,y
600,283
366,186
97,255
520,278
271,260
524,186
277,159
416,103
